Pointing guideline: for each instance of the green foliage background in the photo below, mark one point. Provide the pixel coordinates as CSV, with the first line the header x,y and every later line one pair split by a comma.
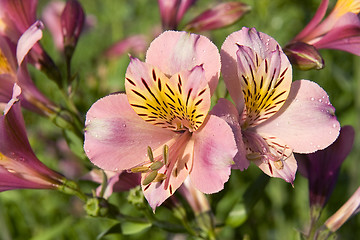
x,y
281,210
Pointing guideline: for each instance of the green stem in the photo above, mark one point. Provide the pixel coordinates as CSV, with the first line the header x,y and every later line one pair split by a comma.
x,y
70,187
315,212
103,184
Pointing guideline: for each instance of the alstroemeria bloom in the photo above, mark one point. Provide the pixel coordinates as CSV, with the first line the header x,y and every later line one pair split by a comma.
x,y
322,167
165,109
273,116
339,30
11,73
19,167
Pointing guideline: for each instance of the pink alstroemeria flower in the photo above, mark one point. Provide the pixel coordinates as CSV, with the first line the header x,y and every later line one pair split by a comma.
x,y
19,167
11,73
165,108
322,167
339,30
274,116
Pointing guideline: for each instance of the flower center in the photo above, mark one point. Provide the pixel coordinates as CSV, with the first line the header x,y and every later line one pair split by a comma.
x,y
171,103
264,82
166,165
267,150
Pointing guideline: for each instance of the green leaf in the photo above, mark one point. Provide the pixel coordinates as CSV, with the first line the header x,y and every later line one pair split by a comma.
x,y
112,230
129,228
75,143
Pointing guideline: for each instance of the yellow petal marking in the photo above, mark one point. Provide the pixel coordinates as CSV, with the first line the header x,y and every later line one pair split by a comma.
x,y
165,102
265,90
4,64
344,6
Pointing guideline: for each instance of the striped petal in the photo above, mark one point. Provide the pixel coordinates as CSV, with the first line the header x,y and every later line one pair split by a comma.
x,y
243,54
116,138
307,121
173,52
272,155
264,87
179,103
176,171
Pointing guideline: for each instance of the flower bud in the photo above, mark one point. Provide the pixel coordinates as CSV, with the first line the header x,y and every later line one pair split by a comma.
x,y
220,16
304,56
172,11
72,22
349,209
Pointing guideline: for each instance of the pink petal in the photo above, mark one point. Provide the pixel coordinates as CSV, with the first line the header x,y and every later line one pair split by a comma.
x,y
214,150
18,16
136,44
219,16
32,98
7,50
279,161
306,122
320,13
322,167
349,209
260,43
51,17
120,182
15,94
116,138
227,111
173,52
6,84
264,87
350,44
14,145
157,192
10,181
28,40
287,172
196,199
344,36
